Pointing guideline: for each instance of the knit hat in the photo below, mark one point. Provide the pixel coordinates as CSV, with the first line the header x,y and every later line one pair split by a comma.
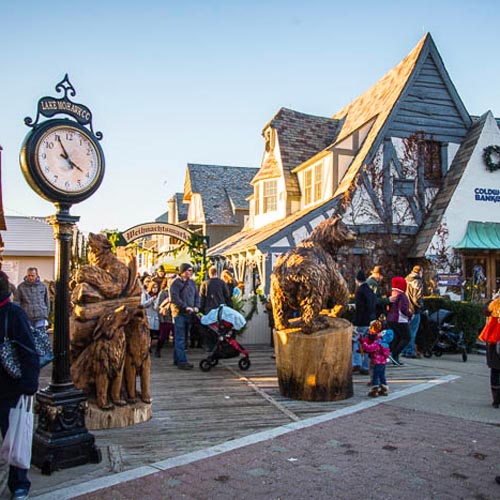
x,y
361,276
399,282
184,267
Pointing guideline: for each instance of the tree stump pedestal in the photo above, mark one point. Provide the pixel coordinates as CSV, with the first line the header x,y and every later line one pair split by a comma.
x,y
318,366
120,416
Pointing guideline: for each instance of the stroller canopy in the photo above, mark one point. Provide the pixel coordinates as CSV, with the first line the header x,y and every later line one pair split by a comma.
x,y
225,313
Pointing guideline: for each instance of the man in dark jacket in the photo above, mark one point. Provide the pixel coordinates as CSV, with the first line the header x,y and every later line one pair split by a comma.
x,y
213,292
32,295
415,294
15,324
185,303
364,314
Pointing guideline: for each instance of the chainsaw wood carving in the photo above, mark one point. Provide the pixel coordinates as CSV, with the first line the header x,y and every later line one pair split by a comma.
x,y
107,327
313,352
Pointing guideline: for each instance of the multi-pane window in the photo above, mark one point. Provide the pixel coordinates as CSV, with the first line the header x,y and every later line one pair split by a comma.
x,y
318,181
308,199
313,184
270,196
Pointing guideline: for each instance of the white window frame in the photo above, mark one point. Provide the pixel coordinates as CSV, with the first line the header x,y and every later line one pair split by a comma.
x,y
269,196
313,184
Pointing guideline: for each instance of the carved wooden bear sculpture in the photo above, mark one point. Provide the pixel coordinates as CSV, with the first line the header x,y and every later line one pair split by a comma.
x,y
306,278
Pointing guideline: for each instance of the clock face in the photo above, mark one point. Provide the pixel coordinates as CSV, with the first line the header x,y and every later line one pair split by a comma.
x,y
68,159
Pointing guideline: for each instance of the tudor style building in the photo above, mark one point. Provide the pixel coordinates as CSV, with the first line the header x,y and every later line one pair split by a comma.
x,y
403,163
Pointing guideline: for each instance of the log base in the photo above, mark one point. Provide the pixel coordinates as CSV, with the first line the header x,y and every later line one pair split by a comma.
x,y
119,416
315,367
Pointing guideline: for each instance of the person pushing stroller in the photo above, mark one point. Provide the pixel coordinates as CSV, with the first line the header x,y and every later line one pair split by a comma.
x,y
376,344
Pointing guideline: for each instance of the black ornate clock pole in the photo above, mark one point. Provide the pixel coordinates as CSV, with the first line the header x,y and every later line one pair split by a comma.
x,y
61,439
63,162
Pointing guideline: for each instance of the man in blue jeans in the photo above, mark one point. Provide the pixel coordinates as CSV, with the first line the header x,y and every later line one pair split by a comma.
x,y
185,303
415,293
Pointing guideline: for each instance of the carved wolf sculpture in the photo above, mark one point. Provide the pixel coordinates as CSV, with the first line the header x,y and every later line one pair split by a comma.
x,y
100,366
109,331
306,278
137,360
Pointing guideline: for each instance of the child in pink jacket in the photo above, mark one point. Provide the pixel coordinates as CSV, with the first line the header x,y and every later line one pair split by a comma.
x,y
376,344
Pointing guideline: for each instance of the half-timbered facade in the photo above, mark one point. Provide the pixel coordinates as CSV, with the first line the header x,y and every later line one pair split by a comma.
x,y
393,162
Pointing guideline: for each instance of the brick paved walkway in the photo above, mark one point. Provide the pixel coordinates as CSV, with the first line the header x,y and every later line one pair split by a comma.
x,y
384,452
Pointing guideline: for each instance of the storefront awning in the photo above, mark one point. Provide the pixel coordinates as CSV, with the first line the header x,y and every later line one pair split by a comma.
x,y
481,236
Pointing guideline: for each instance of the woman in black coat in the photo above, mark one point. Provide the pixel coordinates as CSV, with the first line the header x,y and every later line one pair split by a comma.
x,y
18,328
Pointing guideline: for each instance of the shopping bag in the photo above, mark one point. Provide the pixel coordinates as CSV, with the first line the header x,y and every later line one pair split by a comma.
x,y
16,446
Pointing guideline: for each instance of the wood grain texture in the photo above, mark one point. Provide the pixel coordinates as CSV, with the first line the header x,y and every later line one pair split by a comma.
x,y
315,367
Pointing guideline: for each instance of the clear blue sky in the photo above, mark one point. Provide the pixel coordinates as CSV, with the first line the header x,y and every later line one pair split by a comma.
x,y
171,83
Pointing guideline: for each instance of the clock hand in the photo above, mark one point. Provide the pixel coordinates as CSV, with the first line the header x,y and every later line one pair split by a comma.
x,y
64,154
74,165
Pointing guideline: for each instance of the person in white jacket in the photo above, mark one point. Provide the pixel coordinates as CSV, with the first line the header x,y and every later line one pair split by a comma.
x,y
149,301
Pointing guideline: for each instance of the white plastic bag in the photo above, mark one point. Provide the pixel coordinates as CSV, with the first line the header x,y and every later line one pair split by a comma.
x,y
16,446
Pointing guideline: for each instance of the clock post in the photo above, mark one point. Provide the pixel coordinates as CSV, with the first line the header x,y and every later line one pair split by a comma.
x,y
63,162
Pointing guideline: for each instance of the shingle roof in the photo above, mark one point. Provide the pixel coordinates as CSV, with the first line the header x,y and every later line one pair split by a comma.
x,y
28,236
223,190
450,183
300,136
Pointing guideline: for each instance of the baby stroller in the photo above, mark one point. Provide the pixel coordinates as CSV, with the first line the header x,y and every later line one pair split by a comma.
x,y
220,325
441,336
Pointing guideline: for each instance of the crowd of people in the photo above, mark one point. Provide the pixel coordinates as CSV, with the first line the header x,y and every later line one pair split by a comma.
x,y
172,303
386,326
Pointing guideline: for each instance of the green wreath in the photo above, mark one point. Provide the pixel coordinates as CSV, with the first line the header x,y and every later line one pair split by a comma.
x,y
487,156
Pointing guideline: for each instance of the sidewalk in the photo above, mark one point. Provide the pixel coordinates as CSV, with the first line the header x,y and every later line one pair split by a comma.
x,y
410,444
381,453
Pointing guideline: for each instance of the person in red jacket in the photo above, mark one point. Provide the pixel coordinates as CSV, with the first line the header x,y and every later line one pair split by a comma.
x,y
398,317
376,344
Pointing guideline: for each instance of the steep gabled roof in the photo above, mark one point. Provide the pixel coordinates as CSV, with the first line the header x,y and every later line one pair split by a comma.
x,y
300,136
223,190
381,101
450,183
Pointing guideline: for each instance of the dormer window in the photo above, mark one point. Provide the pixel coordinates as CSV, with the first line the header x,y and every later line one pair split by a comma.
x,y
313,184
270,196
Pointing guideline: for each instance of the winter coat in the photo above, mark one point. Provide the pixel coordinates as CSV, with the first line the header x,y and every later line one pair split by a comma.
x,y
19,329
415,292
150,305
378,349
34,299
183,294
399,307
365,306
213,293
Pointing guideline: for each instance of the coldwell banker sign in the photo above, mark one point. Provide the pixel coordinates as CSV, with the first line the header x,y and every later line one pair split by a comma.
x,y
487,194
